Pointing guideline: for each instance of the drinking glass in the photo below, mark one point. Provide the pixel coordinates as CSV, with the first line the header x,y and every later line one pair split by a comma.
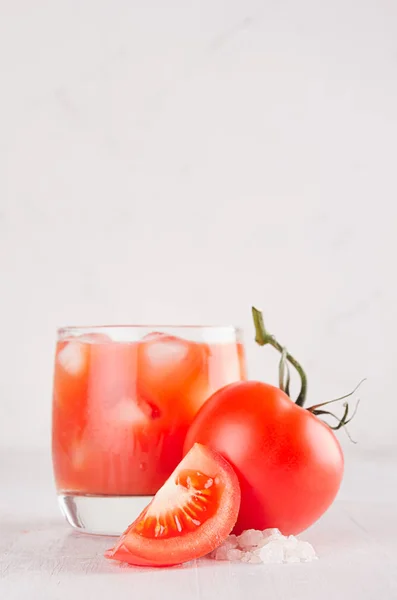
x,y
124,397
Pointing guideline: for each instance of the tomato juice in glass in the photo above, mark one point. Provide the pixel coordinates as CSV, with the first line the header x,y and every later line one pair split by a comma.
x,y
123,400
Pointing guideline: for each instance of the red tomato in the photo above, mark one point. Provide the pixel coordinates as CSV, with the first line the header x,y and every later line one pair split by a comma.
x,y
190,515
289,463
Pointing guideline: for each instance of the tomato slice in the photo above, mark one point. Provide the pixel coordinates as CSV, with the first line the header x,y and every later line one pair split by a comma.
x,y
190,515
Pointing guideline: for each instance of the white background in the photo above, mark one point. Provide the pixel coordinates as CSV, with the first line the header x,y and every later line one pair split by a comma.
x,y
176,162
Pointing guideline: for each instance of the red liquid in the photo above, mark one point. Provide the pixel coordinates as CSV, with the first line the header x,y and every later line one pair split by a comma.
x,y
121,410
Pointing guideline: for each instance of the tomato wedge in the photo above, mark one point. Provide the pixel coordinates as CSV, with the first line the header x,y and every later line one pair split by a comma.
x,y
190,515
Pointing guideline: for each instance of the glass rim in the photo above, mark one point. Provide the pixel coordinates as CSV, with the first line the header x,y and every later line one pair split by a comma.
x,y
87,328
138,332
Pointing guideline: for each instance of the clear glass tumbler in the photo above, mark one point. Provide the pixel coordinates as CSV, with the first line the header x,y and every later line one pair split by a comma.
x,y
124,397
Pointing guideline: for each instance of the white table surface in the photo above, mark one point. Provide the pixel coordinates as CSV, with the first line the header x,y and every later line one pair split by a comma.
x,y
42,558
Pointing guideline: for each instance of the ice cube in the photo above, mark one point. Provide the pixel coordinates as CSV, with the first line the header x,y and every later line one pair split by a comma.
x,y
154,335
249,538
94,338
127,411
272,552
78,454
72,358
162,353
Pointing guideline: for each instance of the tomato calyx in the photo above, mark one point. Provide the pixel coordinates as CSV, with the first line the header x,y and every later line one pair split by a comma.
x,y
317,410
263,337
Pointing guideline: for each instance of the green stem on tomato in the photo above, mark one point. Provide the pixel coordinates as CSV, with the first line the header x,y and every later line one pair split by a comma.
x,y
262,337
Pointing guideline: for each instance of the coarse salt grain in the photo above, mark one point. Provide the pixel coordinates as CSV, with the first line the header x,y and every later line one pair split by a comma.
x,y
268,546
305,551
232,540
250,538
220,553
250,557
270,535
234,554
271,532
272,553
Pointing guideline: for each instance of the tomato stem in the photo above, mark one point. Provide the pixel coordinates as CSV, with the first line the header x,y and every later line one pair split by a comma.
x,y
316,406
262,337
317,410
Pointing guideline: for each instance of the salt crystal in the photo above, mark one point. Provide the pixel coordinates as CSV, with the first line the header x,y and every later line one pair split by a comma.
x,y
290,543
220,553
246,557
268,546
291,558
232,541
270,535
234,554
273,552
251,557
290,546
249,538
305,551
229,544
271,532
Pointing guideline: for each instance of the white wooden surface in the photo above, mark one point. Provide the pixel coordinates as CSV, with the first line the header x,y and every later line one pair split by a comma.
x,y
41,558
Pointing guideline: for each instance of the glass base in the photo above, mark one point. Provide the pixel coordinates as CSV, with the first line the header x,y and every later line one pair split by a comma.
x,y
102,515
